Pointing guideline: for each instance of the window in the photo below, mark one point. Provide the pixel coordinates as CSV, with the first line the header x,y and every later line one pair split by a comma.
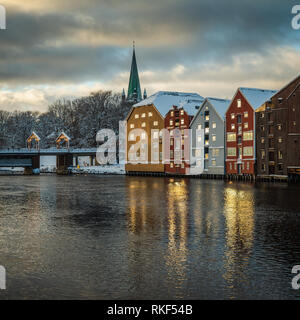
x,y
199,139
231,137
239,103
279,127
230,166
171,133
239,139
280,140
182,112
171,122
131,137
231,151
143,124
280,167
215,152
232,116
143,115
246,114
213,162
240,130
294,123
248,165
143,136
182,166
239,119
199,127
246,125
155,123
150,114
132,126
280,155
155,135
248,135
182,121
136,116
248,151
214,125
263,154
262,128
172,113
214,137
263,167
262,140
171,165
232,126
171,141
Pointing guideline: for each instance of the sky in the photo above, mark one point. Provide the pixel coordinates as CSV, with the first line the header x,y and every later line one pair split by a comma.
x,y
68,48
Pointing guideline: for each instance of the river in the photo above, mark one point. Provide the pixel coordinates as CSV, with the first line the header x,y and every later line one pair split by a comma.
x,y
121,237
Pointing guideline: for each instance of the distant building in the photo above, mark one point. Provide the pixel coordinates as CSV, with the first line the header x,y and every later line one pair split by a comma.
x,y
240,130
209,149
150,114
278,133
180,118
134,93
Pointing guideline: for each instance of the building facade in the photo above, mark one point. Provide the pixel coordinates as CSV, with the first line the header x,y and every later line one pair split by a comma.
x,y
149,115
278,133
240,130
179,146
208,147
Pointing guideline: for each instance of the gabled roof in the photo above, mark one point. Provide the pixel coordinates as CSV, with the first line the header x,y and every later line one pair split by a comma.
x,y
256,97
63,134
220,105
33,134
165,100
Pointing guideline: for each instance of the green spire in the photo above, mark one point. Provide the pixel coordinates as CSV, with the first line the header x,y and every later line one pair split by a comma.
x,y
134,88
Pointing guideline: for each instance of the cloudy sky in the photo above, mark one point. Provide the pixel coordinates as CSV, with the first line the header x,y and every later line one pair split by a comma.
x,y
67,48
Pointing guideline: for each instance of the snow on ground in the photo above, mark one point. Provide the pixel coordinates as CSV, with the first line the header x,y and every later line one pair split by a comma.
x,y
110,169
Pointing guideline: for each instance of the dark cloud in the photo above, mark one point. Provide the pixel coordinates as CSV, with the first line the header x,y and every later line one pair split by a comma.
x,y
77,41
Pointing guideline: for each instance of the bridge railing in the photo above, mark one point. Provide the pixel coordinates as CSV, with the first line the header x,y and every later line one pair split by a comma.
x,y
48,150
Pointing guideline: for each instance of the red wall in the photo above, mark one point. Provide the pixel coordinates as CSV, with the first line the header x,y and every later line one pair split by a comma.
x,y
187,120
240,111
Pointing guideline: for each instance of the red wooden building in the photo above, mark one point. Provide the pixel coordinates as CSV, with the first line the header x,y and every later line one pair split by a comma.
x,y
179,118
240,130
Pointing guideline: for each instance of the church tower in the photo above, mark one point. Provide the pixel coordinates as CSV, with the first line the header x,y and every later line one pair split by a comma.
x,y
134,89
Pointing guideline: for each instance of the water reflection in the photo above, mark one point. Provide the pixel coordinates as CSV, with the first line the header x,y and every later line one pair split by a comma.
x,y
147,238
239,214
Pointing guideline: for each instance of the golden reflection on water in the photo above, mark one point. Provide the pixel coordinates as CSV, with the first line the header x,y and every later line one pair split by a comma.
x,y
239,215
177,210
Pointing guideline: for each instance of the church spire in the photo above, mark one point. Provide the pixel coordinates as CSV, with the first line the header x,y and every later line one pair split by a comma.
x,y
134,88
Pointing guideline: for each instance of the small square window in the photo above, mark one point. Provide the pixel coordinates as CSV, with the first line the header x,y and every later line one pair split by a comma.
x,y
232,127
143,115
143,124
150,114
132,126
155,123
239,103
182,121
232,116
246,125
214,125
136,116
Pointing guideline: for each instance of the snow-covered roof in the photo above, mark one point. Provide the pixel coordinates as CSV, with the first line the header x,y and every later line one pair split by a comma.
x,y
220,105
165,100
256,97
63,134
34,134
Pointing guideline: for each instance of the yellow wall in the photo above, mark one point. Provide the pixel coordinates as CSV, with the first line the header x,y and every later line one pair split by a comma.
x,y
149,125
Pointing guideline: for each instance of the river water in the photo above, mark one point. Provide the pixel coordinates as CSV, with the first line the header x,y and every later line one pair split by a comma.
x,y
118,237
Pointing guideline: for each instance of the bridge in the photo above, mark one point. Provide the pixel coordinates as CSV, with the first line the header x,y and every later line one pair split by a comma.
x,y
30,158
